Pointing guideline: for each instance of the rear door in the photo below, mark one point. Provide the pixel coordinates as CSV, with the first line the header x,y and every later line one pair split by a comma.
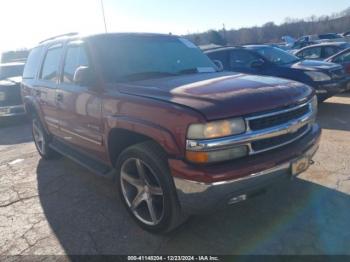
x,y
45,89
79,107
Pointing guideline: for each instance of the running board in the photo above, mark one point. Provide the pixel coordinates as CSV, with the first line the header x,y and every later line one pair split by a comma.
x,y
89,163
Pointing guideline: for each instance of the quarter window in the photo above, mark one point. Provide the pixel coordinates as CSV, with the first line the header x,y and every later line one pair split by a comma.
x,y
76,56
51,63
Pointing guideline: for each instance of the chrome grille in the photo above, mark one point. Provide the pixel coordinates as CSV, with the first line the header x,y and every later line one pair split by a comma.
x,y
268,144
277,119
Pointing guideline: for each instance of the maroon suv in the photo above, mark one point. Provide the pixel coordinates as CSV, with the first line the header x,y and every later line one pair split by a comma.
x,y
152,112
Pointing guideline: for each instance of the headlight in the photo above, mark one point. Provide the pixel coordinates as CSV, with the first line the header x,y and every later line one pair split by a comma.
x,y
216,129
318,76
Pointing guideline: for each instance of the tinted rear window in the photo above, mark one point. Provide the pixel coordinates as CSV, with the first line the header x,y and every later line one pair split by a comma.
x,y
33,63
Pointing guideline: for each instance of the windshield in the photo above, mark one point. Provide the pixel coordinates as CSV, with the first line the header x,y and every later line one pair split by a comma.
x,y
11,71
128,58
277,56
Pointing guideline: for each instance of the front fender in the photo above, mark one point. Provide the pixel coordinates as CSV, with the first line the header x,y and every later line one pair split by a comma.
x,y
161,135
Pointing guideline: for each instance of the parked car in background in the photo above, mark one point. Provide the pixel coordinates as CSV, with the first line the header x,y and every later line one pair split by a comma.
x,y
328,79
299,45
321,51
342,58
331,37
14,56
10,91
153,112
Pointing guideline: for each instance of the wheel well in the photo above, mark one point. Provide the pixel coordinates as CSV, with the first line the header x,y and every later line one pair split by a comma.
x,y
120,139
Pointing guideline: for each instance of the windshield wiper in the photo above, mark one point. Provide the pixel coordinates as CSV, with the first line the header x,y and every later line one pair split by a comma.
x,y
146,75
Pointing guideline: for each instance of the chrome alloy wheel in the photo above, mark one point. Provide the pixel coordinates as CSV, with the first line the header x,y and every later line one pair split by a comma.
x,y
39,137
142,191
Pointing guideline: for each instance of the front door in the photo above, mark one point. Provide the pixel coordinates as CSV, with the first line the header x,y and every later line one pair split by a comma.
x,y
242,60
79,107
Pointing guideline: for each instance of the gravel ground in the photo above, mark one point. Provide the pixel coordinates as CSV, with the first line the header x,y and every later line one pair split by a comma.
x,y
57,207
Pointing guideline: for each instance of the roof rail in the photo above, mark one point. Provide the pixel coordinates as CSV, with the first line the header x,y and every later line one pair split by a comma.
x,y
58,36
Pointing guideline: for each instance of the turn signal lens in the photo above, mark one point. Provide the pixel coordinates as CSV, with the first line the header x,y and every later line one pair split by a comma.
x,y
197,157
217,156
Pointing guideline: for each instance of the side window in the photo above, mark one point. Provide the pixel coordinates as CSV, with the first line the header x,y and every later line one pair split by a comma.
x,y
344,58
329,51
75,57
311,53
241,59
51,63
33,63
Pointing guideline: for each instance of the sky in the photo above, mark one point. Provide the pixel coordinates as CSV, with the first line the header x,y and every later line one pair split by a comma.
x,y
23,23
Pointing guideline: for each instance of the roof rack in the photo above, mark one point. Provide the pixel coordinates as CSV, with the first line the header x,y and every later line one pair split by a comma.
x,y
58,36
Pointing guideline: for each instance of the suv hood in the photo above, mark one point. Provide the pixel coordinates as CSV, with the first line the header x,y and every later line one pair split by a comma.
x,y
313,65
222,95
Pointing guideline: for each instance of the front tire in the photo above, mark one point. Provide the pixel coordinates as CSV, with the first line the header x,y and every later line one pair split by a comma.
x,y
147,188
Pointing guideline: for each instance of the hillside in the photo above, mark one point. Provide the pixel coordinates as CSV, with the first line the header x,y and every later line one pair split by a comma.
x,y
271,32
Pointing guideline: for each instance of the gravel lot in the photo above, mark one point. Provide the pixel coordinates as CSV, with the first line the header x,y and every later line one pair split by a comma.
x,y
57,207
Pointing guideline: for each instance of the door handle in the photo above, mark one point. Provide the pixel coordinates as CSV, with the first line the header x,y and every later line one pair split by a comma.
x,y
59,97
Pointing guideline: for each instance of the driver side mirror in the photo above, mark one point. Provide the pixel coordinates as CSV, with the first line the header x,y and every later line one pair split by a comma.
x,y
83,76
257,63
219,65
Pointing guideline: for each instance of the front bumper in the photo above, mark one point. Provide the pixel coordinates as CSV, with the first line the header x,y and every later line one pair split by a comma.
x,y
197,197
8,111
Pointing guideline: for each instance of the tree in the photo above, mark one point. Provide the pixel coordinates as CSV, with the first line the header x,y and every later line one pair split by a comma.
x,y
214,37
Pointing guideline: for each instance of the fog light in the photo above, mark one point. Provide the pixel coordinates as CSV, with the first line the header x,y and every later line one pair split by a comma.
x,y
217,156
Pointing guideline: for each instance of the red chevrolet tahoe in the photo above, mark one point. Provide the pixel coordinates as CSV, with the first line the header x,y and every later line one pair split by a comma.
x,y
177,136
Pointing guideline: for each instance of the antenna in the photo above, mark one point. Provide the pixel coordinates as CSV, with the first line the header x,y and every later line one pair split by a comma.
x,y
103,15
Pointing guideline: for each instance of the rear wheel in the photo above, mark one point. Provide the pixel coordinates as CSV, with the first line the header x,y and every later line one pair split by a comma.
x,y
147,189
41,139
